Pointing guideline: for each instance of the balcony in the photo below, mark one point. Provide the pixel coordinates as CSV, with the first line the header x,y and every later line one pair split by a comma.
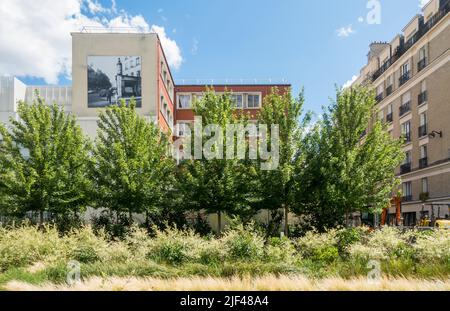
x,y
389,117
423,130
422,98
405,46
404,78
407,198
406,107
422,64
405,168
389,90
423,162
379,97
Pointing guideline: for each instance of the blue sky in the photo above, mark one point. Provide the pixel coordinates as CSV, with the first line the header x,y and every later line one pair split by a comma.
x,y
293,39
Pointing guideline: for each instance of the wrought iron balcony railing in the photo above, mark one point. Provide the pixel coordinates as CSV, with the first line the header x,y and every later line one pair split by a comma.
x,y
423,162
405,168
406,107
422,98
389,117
422,64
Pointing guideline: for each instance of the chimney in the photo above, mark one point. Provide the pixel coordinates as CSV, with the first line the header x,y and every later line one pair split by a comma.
x,y
375,49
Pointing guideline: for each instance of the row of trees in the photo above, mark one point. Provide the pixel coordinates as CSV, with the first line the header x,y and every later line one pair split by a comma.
x,y
324,172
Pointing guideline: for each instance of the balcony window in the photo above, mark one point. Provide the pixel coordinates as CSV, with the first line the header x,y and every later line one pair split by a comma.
x,y
425,185
422,98
406,107
404,73
406,166
423,60
389,90
406,131
184,101
423,125
423,161
407,191
389,117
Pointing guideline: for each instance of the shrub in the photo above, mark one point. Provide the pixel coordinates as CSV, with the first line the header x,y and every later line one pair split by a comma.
x,y
24,245
86,246
175,246
243,243
280,250
319,247
433,246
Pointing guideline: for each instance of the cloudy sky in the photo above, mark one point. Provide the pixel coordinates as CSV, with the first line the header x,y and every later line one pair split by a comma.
x,y
315,44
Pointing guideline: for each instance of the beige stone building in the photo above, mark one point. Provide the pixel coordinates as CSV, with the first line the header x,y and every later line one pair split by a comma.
x,y
411,76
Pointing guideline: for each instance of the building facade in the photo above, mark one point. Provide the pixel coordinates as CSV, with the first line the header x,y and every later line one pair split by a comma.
x,y
108,67
411,76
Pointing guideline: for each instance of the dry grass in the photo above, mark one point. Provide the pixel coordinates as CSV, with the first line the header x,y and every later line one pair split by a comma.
x,y
268,283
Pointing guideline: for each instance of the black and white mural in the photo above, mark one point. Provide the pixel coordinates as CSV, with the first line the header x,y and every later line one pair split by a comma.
x,y
112,78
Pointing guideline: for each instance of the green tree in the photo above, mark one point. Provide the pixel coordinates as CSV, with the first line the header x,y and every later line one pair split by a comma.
x,y
218,185
44,158
345,167
132,170
277,186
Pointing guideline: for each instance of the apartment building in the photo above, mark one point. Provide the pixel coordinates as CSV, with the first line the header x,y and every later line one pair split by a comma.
x,y
108,67
411,76
247,98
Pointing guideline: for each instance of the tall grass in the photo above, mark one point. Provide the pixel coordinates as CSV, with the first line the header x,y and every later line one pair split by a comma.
x,y
266,283
29,253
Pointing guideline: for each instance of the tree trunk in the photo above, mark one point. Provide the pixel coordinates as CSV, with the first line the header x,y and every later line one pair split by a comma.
x,y
130,215
41,218
219,223
146,219
286,220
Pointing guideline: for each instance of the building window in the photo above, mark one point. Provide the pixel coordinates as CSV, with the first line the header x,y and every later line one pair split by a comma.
x,y
389,116
409,219
389,85
406,131
404,73
423,60
407,191
380,91
423,96
184,101
183,129
423,161
381,115
252,101
198,97
138,61
425,185
423,124
237,100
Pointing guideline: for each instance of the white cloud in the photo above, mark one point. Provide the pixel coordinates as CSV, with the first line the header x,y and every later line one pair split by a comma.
x,y
35,35
345,31
350,82
171,49
361,19
422,3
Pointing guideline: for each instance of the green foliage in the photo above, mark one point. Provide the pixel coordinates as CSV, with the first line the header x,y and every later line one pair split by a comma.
x,y
217,184
243,243
345,171
276,187
43,161
131,168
